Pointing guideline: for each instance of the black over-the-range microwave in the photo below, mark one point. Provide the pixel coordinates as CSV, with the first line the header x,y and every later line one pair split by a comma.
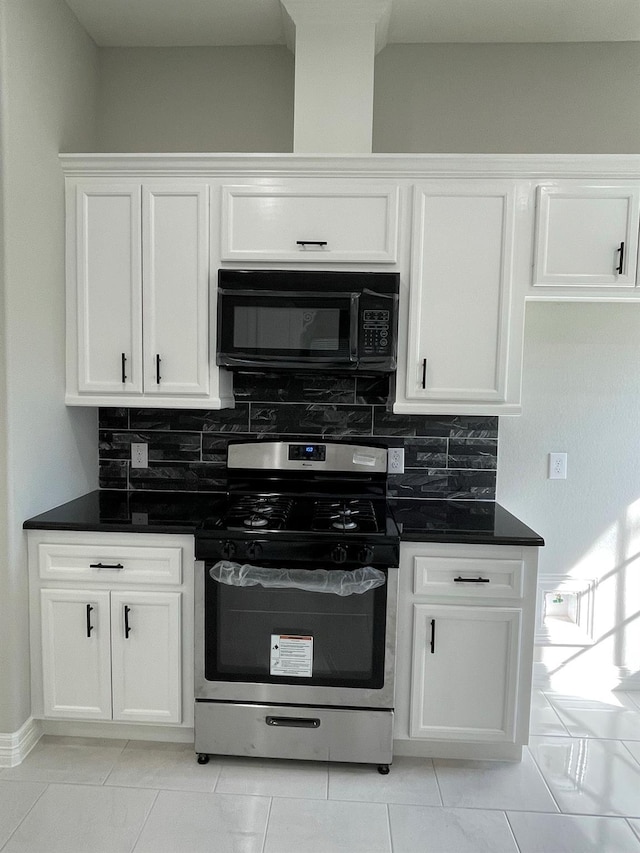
x,y
342,321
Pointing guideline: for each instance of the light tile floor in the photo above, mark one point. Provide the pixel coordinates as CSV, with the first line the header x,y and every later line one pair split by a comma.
x,y
577,790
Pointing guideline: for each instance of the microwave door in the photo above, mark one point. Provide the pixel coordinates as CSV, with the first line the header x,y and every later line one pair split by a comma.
x,y
287,329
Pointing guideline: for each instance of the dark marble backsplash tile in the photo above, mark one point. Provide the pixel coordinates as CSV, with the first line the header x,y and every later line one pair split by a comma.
x,y
314,419
443,483
162,445
463,426
473,453
179,477
445,457
192,420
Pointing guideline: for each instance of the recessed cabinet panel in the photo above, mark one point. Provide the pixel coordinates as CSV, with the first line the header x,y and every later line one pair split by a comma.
x,y
310,223
586,235
109,304
465,673
176,277
146,656
468,577
76,639
112,564
460,344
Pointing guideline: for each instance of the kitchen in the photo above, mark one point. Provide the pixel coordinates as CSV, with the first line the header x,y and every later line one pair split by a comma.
x,y
576,355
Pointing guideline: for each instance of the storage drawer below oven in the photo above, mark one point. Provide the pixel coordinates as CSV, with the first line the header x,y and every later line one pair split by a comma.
x,y
277,731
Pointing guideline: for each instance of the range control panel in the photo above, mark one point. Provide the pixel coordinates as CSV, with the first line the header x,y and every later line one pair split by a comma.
x,y
308,452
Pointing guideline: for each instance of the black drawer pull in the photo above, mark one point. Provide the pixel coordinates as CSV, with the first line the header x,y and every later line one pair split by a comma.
x,y
117,566
471,580
304,243
294,722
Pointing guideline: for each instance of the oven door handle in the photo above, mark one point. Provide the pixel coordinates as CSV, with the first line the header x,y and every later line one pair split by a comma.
x,y
294,722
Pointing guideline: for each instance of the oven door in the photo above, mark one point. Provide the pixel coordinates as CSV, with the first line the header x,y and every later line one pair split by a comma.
x,y
280,328
294,645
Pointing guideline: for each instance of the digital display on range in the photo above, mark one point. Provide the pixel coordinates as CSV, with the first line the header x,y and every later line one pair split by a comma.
x,y
308,452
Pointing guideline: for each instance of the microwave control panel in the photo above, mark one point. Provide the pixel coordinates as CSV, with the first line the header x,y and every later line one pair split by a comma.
x,y
376,331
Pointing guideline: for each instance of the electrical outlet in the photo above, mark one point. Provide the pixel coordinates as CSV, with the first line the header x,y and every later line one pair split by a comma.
x,y
139,455
395,460
557,466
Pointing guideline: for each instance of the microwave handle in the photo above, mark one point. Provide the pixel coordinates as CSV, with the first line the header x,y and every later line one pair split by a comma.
x,y
354,327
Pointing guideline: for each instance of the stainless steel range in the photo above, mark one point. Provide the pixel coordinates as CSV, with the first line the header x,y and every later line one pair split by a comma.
x,y
296,596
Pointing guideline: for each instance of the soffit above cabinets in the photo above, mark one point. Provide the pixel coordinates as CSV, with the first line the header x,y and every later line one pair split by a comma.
x,y
158,23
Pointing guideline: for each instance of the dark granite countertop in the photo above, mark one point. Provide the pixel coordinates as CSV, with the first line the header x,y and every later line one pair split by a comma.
x,y
131,512
479,522
471,522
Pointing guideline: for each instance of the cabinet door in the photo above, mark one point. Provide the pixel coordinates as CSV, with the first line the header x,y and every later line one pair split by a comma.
x,y
146,656
586,235
176,282
464,673
460,295
310,223
109,288
76,653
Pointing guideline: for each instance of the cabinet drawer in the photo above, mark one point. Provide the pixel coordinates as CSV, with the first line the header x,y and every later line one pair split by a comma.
x,y
111,564
310,224
464,577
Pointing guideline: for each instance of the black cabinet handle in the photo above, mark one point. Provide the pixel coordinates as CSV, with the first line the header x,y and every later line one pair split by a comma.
x,y
127,627
432,642
117,566
311,243
124,368
89,625
620,250
424,372
472,580
158,377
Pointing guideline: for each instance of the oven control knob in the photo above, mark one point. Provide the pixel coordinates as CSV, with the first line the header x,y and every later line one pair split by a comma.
x,y
228,549
339,554
365,554
254,550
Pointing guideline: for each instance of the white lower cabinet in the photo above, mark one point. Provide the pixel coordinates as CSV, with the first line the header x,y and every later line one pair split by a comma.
x,y
465,650
76,653
108,646
111,655
465,668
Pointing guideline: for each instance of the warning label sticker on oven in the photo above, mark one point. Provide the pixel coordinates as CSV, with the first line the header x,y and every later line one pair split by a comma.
x,y
291,655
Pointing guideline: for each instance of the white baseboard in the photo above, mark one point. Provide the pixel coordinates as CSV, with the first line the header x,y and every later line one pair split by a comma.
x,y
14,747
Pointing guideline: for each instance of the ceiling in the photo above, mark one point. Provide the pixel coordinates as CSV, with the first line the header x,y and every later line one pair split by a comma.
x,y
156,23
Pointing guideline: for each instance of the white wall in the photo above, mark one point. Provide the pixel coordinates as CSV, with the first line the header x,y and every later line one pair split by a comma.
x,y
508,98
581,395
513,98
196,99
48,69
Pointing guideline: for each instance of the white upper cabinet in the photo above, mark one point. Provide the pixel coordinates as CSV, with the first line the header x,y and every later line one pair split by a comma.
x,y
586,238
175,289
138,295
108,270
330,221
465,322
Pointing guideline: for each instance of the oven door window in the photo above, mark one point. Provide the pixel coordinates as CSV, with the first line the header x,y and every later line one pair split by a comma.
x,y
287,327
339,640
